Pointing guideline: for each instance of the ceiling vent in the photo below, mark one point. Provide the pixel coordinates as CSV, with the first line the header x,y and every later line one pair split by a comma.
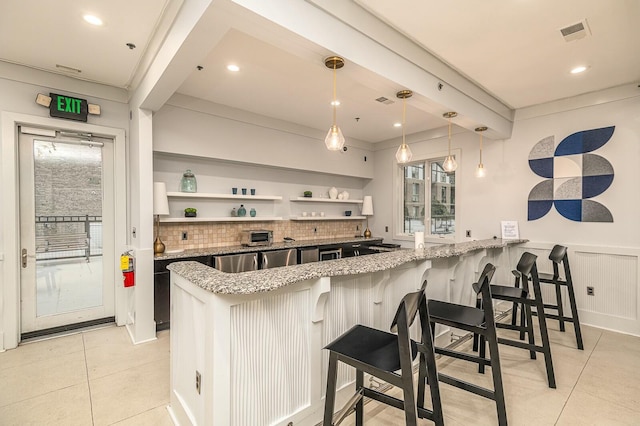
x,y
576,31
384,100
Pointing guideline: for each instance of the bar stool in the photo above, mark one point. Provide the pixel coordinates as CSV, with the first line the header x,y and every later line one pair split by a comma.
x,y
559,255
525,271
381,354
479,321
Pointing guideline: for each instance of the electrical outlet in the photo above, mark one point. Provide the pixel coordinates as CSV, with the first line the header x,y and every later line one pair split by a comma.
x,y
184,235
386,229
315,229
590,291
198,381
468,233
357,227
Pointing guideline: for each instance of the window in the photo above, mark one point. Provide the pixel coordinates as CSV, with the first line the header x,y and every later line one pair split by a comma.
x,y
415,196
421,181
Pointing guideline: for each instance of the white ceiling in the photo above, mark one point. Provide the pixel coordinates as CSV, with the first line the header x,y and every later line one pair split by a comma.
x,y
511,48
43,34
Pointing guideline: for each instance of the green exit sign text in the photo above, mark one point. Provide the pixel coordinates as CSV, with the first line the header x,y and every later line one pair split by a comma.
x,y
67,107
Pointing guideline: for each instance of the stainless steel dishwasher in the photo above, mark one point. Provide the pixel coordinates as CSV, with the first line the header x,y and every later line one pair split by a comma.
x,y
237,262
276,258
308,254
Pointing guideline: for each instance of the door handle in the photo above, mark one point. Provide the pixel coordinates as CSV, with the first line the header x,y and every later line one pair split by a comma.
x,y
24,258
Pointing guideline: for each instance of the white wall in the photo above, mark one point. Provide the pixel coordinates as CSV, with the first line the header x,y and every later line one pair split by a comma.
x,y
503,193
193,127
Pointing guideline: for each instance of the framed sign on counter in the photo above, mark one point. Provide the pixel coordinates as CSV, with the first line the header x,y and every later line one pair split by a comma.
x,y
510,230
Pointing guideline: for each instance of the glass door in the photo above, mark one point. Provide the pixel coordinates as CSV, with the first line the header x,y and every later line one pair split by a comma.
x,y
66,215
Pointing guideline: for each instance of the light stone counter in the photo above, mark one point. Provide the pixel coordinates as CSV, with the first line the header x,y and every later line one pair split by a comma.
x,y
270,279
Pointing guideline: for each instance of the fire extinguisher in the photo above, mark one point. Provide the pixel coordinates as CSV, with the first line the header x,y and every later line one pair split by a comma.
x,y
128,269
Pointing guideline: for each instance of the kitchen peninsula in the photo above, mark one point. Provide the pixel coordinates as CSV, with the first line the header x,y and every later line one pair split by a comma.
x,y
246,348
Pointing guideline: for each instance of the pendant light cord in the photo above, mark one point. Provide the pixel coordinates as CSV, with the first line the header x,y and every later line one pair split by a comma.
x,y
480,148
404,114
334,94
449,137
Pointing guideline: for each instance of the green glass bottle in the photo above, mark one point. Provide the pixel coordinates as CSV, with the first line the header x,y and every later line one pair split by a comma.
x,y
188,182
242,211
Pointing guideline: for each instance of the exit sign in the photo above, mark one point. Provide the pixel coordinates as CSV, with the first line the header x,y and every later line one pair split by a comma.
x,y
67,107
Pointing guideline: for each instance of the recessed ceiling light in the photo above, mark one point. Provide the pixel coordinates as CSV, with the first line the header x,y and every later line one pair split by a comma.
x,y
335,103
93,20
397,124
233,68
578,70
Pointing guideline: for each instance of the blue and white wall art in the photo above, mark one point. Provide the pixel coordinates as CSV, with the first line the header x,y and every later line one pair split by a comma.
x,y
572,176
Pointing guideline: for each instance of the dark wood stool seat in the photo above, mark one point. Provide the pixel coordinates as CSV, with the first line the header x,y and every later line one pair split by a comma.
x,y
371,346
508,292
382,354
479,321
441,312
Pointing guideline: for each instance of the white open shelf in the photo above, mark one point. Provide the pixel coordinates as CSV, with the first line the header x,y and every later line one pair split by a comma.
x,y
327,217
222,196
221,219
324,200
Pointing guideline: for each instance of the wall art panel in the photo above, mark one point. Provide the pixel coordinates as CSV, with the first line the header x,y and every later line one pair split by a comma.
x,y
573,176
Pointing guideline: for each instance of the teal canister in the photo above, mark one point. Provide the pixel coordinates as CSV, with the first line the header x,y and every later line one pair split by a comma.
x,y
242,211
188,182
252,212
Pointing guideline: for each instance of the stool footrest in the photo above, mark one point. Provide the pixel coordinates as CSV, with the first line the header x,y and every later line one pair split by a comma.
x,y
466,357
469,387
556,317
382,397
521,345
511,327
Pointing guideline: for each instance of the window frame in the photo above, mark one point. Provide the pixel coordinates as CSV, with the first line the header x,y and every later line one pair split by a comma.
x,y
398,198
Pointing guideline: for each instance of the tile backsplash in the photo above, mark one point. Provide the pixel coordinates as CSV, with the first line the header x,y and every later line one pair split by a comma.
x,y
220,234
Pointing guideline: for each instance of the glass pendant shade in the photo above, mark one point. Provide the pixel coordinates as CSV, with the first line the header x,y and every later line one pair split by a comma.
x,y
450,164
480,171
334,140
403,154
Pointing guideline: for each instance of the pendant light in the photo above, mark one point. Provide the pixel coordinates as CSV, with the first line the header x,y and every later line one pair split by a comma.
x,y
450,164
480,171
404,154
334,140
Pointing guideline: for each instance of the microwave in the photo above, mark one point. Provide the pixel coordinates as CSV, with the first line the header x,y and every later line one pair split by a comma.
x,y
258,237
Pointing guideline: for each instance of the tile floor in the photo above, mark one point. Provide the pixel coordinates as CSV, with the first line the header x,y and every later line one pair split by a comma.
x,y
91,378
99,378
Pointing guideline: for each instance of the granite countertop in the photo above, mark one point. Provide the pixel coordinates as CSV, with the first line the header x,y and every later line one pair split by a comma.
x,y
275,246
212,280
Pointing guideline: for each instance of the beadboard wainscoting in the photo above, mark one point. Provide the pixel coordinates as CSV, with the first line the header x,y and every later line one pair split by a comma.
x,y
613,273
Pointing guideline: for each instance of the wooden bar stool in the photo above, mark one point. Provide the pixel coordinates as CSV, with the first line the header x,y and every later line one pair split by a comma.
x,y
382,354
527,271
479,321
